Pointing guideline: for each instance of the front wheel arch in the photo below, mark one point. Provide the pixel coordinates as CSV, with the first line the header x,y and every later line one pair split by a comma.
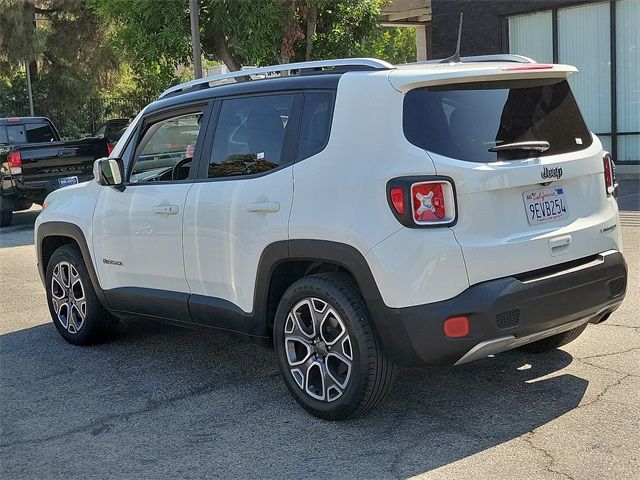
x,y
52,235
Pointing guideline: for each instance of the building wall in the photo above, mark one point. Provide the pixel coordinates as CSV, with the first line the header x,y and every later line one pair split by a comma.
x,y
482,28
601,39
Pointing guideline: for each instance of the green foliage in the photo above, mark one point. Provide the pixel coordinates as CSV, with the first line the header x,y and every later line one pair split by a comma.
x,y
67,52
395,45
87,50
154,37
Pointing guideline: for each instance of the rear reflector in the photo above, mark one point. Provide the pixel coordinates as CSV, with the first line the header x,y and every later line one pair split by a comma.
x,y
14,160
397,200
456,327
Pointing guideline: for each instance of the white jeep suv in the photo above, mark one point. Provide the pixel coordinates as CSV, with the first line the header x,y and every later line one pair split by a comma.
x,y
358,215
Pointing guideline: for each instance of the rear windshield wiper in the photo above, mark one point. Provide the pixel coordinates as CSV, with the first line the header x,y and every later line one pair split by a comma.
x,y
538,146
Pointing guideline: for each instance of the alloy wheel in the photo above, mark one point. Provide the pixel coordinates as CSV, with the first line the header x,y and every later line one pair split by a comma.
x,y
318,349
68,297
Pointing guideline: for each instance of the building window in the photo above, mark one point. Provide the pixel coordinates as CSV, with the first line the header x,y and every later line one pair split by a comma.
x,y
582,36
532,36
583,41
627,79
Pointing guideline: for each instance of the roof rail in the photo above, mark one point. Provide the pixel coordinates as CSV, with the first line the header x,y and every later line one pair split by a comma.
x,y
353,63
502,57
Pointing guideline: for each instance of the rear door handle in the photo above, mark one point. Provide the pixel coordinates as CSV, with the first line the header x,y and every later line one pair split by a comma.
x,y
263,207
166,209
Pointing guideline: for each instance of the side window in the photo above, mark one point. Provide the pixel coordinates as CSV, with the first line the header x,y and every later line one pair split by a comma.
x,y
316,123
39,132
250,134
166,149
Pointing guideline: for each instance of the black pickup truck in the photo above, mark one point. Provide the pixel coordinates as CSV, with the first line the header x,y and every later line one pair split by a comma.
x,y
34,162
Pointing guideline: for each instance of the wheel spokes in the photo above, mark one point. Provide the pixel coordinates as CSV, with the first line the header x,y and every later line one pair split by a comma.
x,y
298,350
67,297
318,349
315,380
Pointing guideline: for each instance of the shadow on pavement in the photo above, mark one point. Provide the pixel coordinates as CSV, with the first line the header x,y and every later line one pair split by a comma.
x,y
165,402
20,232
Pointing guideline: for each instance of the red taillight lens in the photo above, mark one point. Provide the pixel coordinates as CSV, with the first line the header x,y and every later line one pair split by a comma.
x,y
423,201
110,147
432,202
14,159
609,174
397,200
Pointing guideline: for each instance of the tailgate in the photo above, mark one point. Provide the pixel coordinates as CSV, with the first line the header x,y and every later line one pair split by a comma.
x,y
528,173
49,161
495,229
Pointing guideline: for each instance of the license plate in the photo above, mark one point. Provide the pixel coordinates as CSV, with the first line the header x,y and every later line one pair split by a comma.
x,y
545,205
66,181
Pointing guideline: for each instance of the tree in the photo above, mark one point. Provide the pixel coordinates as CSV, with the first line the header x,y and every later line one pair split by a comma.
x,y
65,45
154,36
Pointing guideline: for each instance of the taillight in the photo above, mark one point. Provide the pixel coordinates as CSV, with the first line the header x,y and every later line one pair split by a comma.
x,y
110,147
610,183
14,159
397,200
423,201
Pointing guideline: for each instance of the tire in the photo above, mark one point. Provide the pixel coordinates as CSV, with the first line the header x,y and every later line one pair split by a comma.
x,y
6,217
553,342
74,307
344,373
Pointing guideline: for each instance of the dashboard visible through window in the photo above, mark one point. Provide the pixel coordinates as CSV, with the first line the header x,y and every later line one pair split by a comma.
x,y
166,149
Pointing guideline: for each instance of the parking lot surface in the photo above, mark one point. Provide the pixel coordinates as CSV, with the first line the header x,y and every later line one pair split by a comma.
x,y
165,402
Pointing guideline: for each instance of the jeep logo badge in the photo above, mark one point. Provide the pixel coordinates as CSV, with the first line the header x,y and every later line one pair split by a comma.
x,y
551,173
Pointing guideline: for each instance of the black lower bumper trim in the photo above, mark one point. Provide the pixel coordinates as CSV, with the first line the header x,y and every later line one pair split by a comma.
x,y
521,307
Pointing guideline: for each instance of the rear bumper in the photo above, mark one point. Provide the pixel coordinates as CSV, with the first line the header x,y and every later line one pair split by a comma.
x,y
505,313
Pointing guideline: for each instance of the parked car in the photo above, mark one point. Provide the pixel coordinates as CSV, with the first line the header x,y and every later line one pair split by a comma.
x,y
357,216
111,130
34,162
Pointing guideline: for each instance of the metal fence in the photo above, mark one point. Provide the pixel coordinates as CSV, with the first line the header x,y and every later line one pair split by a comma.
x,y
83,121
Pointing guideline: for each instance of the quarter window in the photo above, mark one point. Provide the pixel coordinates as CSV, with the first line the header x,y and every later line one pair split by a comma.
x,y
166,149
250,135
316,123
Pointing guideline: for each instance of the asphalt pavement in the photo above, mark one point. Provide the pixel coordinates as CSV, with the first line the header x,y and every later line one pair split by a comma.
x,y
164,402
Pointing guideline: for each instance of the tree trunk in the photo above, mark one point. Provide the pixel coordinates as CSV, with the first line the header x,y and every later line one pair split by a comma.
x,y
312,20
224,51
290,32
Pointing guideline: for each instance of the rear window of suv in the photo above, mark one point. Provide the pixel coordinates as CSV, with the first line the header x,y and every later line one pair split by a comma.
x,y
465,121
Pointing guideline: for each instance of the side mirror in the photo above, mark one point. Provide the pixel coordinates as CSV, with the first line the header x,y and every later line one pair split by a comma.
x,y
109,172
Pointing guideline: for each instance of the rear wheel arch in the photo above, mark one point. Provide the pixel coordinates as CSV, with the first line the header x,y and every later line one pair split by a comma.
x,y
283,263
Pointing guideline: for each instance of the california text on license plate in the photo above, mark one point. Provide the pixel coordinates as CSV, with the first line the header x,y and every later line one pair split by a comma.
x,y
545,205
66,181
